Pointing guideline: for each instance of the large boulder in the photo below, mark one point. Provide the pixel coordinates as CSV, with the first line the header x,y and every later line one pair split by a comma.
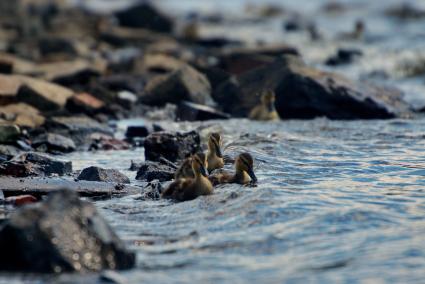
x,y
144,15
22,115
305,92
185,83
103,175
61,234
171,146
150,171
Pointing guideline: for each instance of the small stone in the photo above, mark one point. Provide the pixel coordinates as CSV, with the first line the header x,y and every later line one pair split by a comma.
x,y
136,131
103,175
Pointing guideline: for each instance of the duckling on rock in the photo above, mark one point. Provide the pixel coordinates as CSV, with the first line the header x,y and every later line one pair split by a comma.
x,y
266,110
244,172
190,188
214,158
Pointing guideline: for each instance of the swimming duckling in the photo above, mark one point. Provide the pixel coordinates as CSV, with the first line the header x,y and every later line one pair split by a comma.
x,y
190,188
214,158
244,174
214,155
266,110
357,34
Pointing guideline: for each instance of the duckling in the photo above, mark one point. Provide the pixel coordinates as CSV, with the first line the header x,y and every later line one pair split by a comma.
x,y
214,155
357,34
214,158
190,188
266,110
244,172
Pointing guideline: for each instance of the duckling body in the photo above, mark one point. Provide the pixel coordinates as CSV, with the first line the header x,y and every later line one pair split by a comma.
x,y
214,159
356,34
266,110
244,172
190,188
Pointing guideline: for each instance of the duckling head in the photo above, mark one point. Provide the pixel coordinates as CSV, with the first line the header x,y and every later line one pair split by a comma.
x,y
359,27
245,163
267,99
214,144
200,164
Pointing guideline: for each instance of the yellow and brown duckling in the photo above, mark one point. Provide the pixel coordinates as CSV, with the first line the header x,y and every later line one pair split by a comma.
x,y
214,158
244,172
266,110
190,188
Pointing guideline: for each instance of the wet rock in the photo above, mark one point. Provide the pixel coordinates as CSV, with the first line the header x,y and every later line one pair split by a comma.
x,y
171,146
54,143
43,95
150,171
144,15
186,83
35,164
40,186
152,191
344,56
22,115
306,92
9,86
106,143
121,37
84,103
215,75
118,83
42,238
103,175
126,99
135,165
187,111
7,152
9,133
158,63
405,11
136,131
6,66
21,200
56,46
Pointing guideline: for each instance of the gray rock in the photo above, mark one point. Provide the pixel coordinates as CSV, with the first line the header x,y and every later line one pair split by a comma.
x,y
150,171
104,175
171,146
305,92
54,143
61,234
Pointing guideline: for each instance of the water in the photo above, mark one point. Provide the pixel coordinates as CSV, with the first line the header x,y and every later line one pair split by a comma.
x,y
336,202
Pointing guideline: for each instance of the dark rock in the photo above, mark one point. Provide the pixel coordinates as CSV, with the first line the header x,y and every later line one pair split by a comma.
x,y
405,11
126,99
54,46
54,143
344,56
144,15
150,171
135,165
9,133
7,152
40,186
84,103
117,83
108,143
61,234
104,175
186,83
157,128
34,164
172,146
306,92
217,42
136,131
215,75
187,111
6,66
152,191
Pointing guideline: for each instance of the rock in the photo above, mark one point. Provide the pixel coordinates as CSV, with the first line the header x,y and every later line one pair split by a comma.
x,y
9,86
22,115
187,111
40,186
150,171
344,56
183,84
7,152
9,133
6,66
405,11
122,37
136,131
43,95
21,200
126,99
103,175
103,142
35,164
152,191
171,146
158,63
61,234
54,143
144,15
56,46
306,92
84,103
215,75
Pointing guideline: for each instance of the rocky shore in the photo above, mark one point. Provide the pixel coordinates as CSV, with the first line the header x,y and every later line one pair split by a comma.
x,y
67,73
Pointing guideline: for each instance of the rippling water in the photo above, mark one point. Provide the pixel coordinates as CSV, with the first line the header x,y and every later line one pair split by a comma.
x,y
336,202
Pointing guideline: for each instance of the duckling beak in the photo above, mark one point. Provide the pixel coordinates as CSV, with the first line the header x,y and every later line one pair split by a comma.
x,y
270,106
204,171
252,175
218,152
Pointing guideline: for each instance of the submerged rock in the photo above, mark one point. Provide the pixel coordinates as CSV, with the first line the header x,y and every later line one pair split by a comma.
x,y
343,56
185,83
187,111
144,15
305,92
54,143
61,234
171,146
136,131
35,164
103,175
150,171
